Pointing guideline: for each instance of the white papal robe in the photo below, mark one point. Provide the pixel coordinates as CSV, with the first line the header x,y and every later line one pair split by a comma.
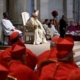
x,y
39,35
7,27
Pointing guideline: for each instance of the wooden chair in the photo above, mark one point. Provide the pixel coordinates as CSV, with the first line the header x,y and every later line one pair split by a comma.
x,y
27,31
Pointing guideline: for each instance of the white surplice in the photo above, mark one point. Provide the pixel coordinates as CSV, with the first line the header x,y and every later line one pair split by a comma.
x,y
7,26
55,32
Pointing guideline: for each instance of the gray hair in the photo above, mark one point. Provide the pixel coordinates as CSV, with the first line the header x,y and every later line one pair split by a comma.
x,y
52,44
66,58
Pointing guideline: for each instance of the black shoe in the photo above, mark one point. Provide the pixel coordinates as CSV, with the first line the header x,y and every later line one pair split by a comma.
x,y
40,43
49,39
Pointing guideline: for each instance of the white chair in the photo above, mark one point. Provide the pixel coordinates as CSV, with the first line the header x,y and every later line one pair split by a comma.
x,y
26,30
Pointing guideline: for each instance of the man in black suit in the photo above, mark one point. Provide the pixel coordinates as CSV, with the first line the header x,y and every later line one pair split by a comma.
x,y
63,25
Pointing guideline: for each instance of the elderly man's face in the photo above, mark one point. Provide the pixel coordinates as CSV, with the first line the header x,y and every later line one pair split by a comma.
x,y
35,17
71,23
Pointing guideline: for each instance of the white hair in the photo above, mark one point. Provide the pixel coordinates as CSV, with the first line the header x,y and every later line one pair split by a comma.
x,y
66,58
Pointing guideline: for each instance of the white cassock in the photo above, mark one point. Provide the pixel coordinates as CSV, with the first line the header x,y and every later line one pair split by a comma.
x,y
49,33
45,26
55,32
39,35
7,26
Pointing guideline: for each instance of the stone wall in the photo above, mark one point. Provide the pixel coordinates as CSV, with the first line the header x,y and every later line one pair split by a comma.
x,y
2,9
70,10
16,8
44,9
55,5
62,6
47,6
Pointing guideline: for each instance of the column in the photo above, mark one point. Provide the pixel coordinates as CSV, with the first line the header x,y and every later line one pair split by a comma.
x,y
16,7
74,11
2,9
68,9
35,4
44,9
65,7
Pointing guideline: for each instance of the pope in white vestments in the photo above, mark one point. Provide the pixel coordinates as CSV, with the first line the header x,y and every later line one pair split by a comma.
x,y
39,32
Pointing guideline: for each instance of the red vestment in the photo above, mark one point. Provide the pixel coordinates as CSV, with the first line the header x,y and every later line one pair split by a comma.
x,y
45,58
31,58
20,71
56,71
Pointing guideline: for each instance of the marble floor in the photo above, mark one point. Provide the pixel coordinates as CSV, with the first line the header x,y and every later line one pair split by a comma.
x,y
38,49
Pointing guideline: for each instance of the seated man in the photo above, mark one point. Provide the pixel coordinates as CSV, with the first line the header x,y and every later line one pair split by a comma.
x,y
51,31
53,28
18,68
65,63
47,55
77,27
45,24
39,32
7,26
71,27
31,58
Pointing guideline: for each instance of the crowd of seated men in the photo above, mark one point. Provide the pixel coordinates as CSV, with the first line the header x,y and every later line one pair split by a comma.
x,y
19,63
74,28
41,32
50,29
